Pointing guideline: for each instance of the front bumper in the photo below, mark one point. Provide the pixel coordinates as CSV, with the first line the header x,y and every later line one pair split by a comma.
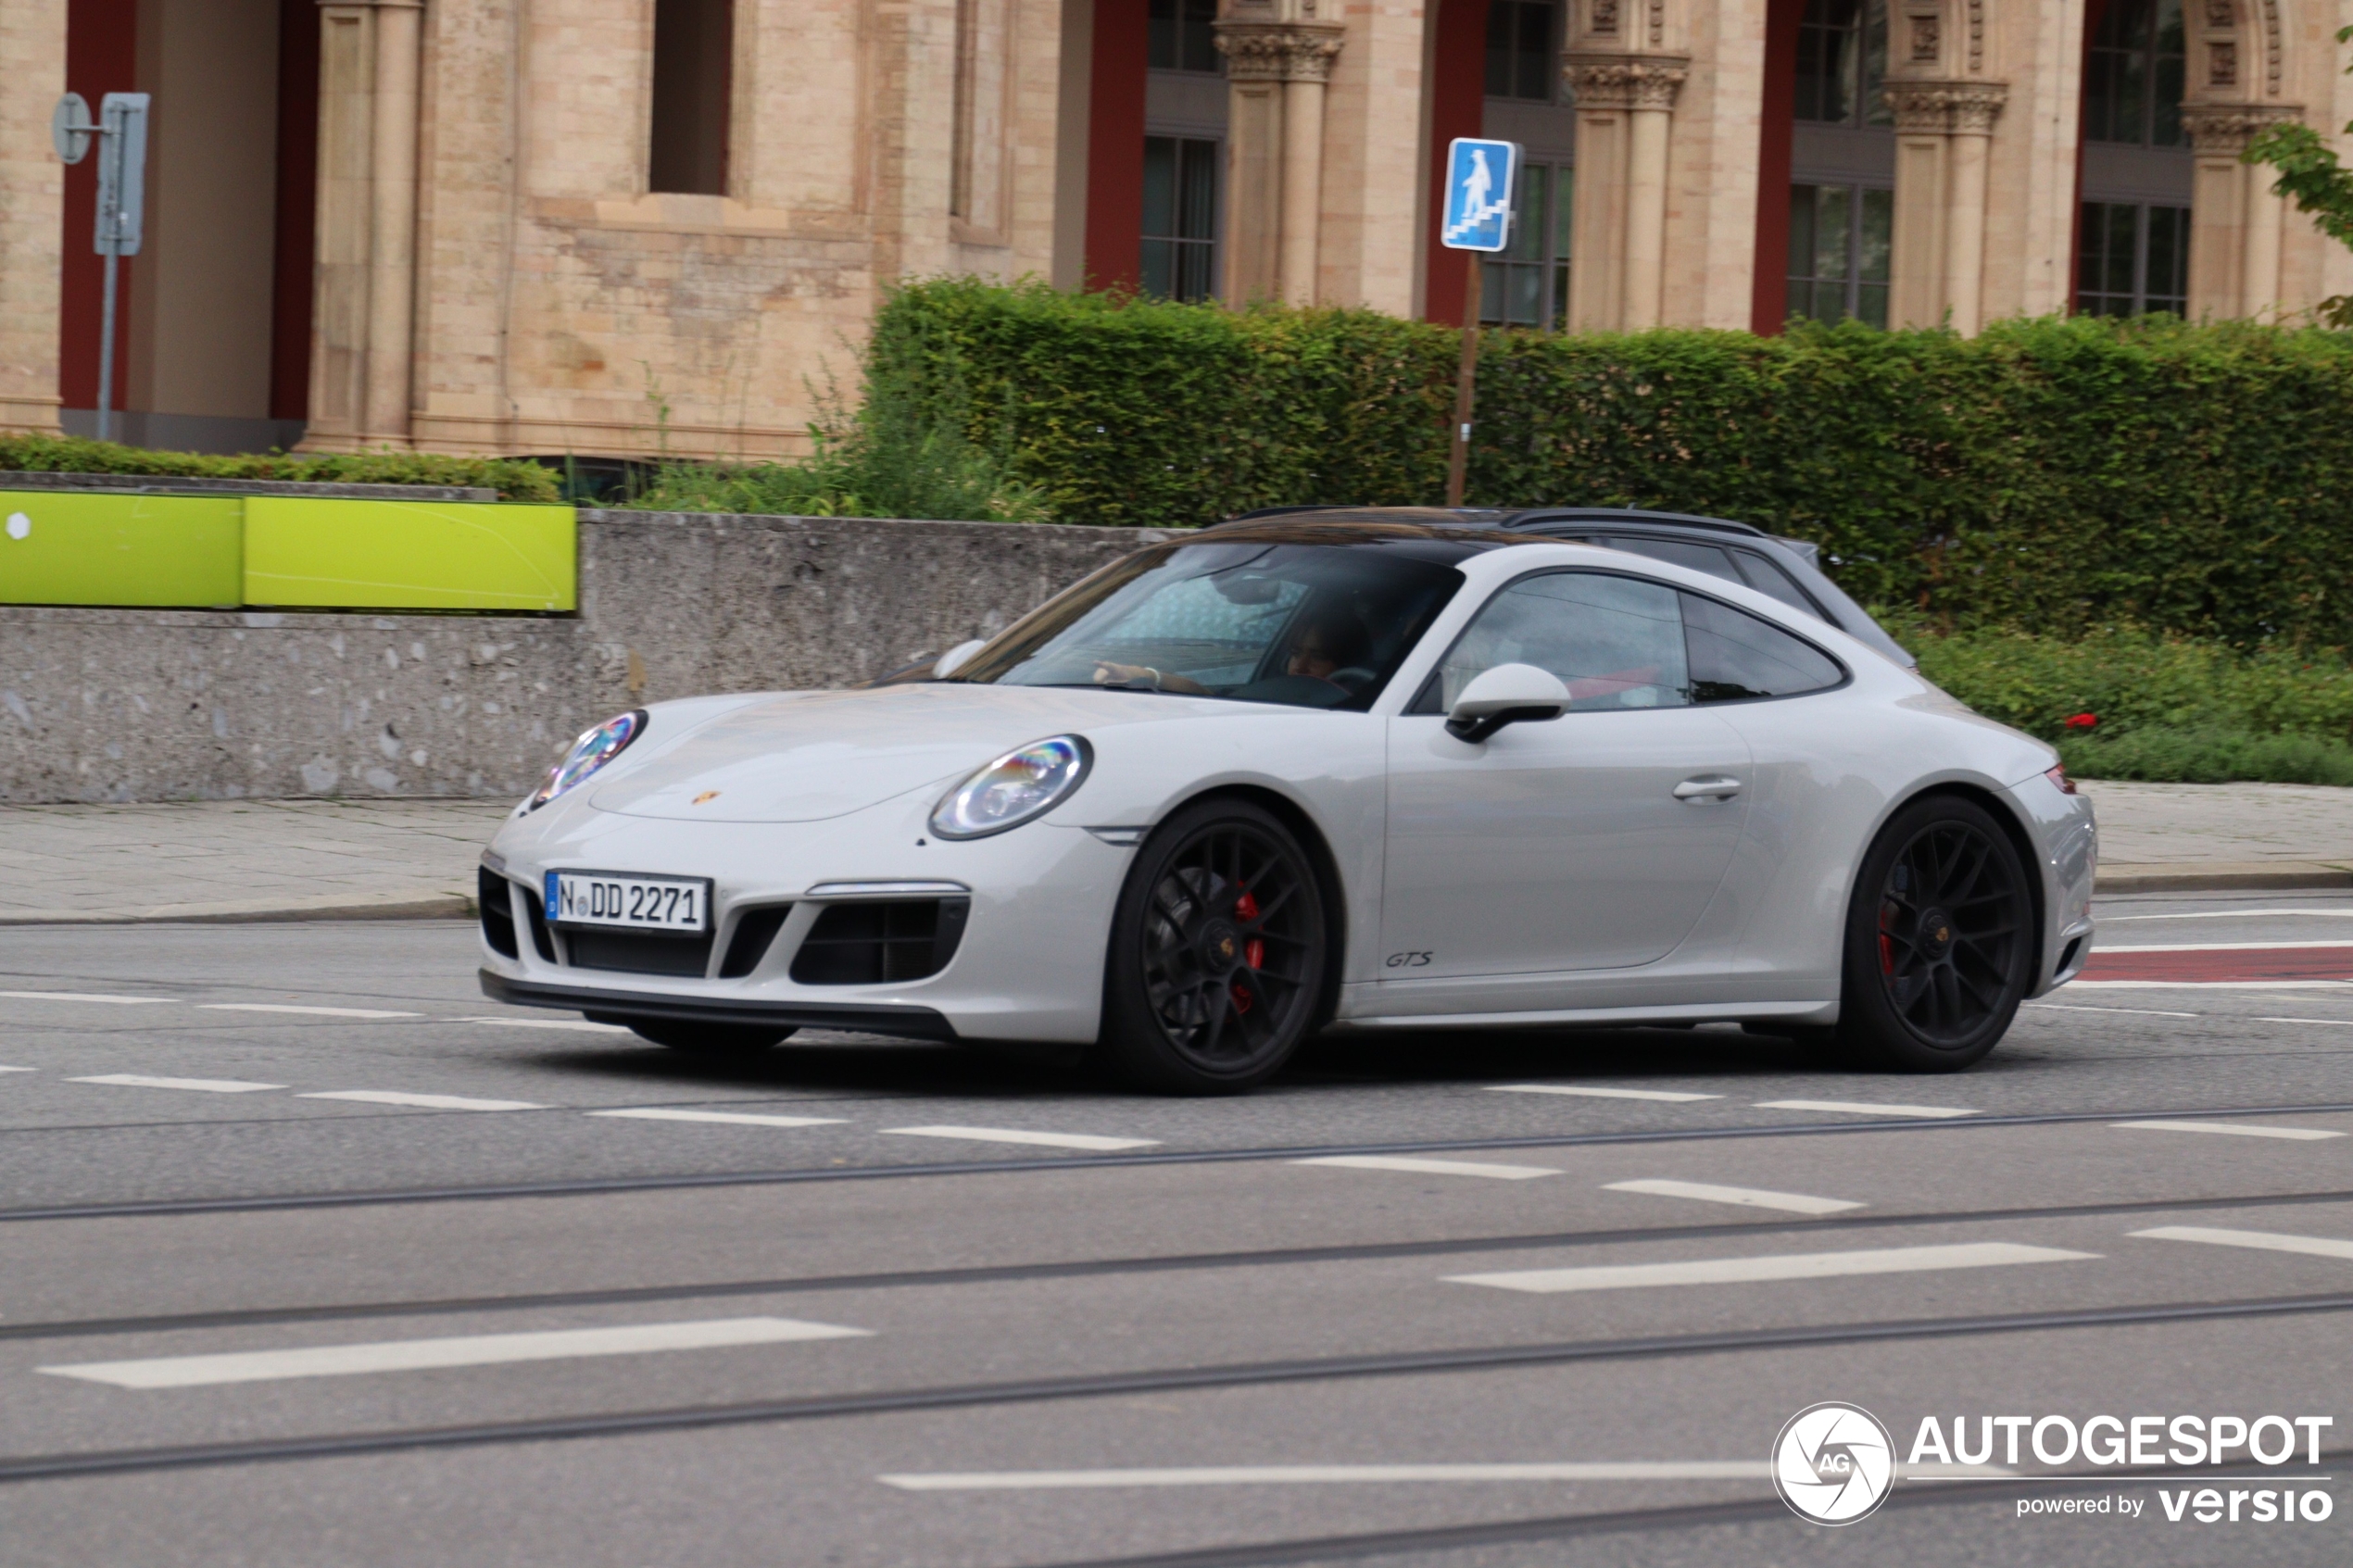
x,y
908,1022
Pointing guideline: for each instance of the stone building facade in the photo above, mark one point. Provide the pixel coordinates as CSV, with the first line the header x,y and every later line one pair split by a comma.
x,y
622,227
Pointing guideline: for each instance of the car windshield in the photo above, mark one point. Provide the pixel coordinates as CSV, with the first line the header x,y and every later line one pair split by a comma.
x,y
1306,625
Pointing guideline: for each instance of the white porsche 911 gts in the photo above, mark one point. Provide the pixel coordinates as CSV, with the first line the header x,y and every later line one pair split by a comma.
x,y
1371,770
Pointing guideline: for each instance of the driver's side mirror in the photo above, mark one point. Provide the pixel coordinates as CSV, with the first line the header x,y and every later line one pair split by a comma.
x,y
956,659
1508,694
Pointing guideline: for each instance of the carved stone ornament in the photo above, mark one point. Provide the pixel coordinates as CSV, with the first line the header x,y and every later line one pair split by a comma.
x,y
1606,17
1625,81
2221,65
1280,51
2228,128
1961,108
2222,14
1927,39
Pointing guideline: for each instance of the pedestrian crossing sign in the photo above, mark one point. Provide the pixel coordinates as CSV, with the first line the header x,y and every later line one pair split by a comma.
x,y
1480,176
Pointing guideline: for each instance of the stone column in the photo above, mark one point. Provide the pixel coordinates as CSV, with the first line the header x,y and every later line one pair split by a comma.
x,y
1625,110
364,314
1944,132
2235,219
1278,56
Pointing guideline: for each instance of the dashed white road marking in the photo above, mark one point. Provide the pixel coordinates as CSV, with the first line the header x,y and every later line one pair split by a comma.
x,y
1011,1134
1431,1167
2229,914
202,1086
2209,985
2263,1241
2137,1012
1779,1266
1595,1092
580,1025
2237,1129
19,1070
733,1118
84,997
2218,946
2340,1023
1326,1474
427,1102
416,1355
1752,1197
305,1012
1862,1108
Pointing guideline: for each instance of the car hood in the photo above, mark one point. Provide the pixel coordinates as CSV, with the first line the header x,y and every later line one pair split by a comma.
x,y
804,757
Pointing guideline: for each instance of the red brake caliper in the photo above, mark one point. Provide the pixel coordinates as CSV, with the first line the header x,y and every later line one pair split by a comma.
x,y
1886,947
1253,949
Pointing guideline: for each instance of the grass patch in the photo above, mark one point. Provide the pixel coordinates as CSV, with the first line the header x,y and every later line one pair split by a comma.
x,y
514,478
907,452
2168,710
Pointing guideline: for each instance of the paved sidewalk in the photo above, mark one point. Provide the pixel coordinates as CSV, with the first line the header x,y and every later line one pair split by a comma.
x,y
243,860
343,859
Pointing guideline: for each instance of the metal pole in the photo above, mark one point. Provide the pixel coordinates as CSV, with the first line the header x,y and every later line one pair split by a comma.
x,y
1466,381
106,358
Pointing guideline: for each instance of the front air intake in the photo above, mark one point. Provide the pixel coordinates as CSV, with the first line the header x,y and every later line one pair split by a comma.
x,y
498,912
881,943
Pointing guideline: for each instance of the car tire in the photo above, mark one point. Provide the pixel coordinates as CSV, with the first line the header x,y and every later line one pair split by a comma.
x,y
1219,950
1941,939
713,1041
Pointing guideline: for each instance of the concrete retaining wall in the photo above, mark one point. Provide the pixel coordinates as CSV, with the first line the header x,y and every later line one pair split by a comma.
x,y
120,705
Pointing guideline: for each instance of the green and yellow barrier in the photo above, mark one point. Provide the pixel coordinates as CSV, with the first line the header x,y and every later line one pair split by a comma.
x,y
284,552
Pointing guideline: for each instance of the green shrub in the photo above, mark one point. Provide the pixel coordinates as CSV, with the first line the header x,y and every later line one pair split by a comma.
x,y
912,449
514,478
2169,756
2048,474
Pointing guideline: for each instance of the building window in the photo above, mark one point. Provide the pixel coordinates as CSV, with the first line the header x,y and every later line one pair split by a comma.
x,y
2133,78
2135,259
1521,62
1527,284
693,77
1180,217
1841,56
1178,36
1838,250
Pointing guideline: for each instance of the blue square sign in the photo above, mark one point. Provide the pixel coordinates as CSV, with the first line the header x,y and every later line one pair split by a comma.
x,y
1480,176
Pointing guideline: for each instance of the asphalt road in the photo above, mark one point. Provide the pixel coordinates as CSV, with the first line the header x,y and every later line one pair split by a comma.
x,y
310,1256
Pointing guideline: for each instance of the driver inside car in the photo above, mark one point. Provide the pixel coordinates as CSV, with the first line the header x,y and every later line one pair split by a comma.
x,y
1327,646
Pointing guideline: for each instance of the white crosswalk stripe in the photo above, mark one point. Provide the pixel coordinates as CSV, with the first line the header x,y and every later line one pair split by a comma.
x,y
1862,1108
416,1355
201,1086
1430,1167
424,1102
1595,1091
302,1012
1774,1266
1013,1134
732,1117
2260,1241
2234,1129
1752,1197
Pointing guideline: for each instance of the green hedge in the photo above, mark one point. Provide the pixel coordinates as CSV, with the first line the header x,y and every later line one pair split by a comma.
x,y
2048,474
514,478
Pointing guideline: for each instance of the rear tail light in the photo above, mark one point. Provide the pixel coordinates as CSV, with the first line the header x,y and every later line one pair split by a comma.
x,y
2058,776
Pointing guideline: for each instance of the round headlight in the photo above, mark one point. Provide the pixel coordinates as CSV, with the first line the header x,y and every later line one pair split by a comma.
x,y
1018,786
590,752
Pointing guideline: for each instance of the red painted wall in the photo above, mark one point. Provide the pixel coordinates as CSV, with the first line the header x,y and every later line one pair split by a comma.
x,y
100,39
1458,105
1115,146
297,210
1776,136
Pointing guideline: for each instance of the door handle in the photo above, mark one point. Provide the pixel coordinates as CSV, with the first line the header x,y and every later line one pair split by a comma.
x,y
1718,788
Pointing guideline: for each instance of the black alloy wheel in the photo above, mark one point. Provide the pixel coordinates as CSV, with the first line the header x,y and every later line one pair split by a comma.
x,y
1940,941
712,1042
1218,953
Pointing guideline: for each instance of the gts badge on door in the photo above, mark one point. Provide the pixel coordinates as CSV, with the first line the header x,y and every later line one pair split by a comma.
x,y
1408,961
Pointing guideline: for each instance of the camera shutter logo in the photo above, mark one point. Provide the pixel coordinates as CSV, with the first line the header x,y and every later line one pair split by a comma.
x,y
1833,1463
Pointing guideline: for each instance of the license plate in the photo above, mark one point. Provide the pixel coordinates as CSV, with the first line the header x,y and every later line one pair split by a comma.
x,y
635,903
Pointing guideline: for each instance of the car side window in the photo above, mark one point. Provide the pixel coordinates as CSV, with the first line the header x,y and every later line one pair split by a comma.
x,y
1767,578
1614,642
1735,656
